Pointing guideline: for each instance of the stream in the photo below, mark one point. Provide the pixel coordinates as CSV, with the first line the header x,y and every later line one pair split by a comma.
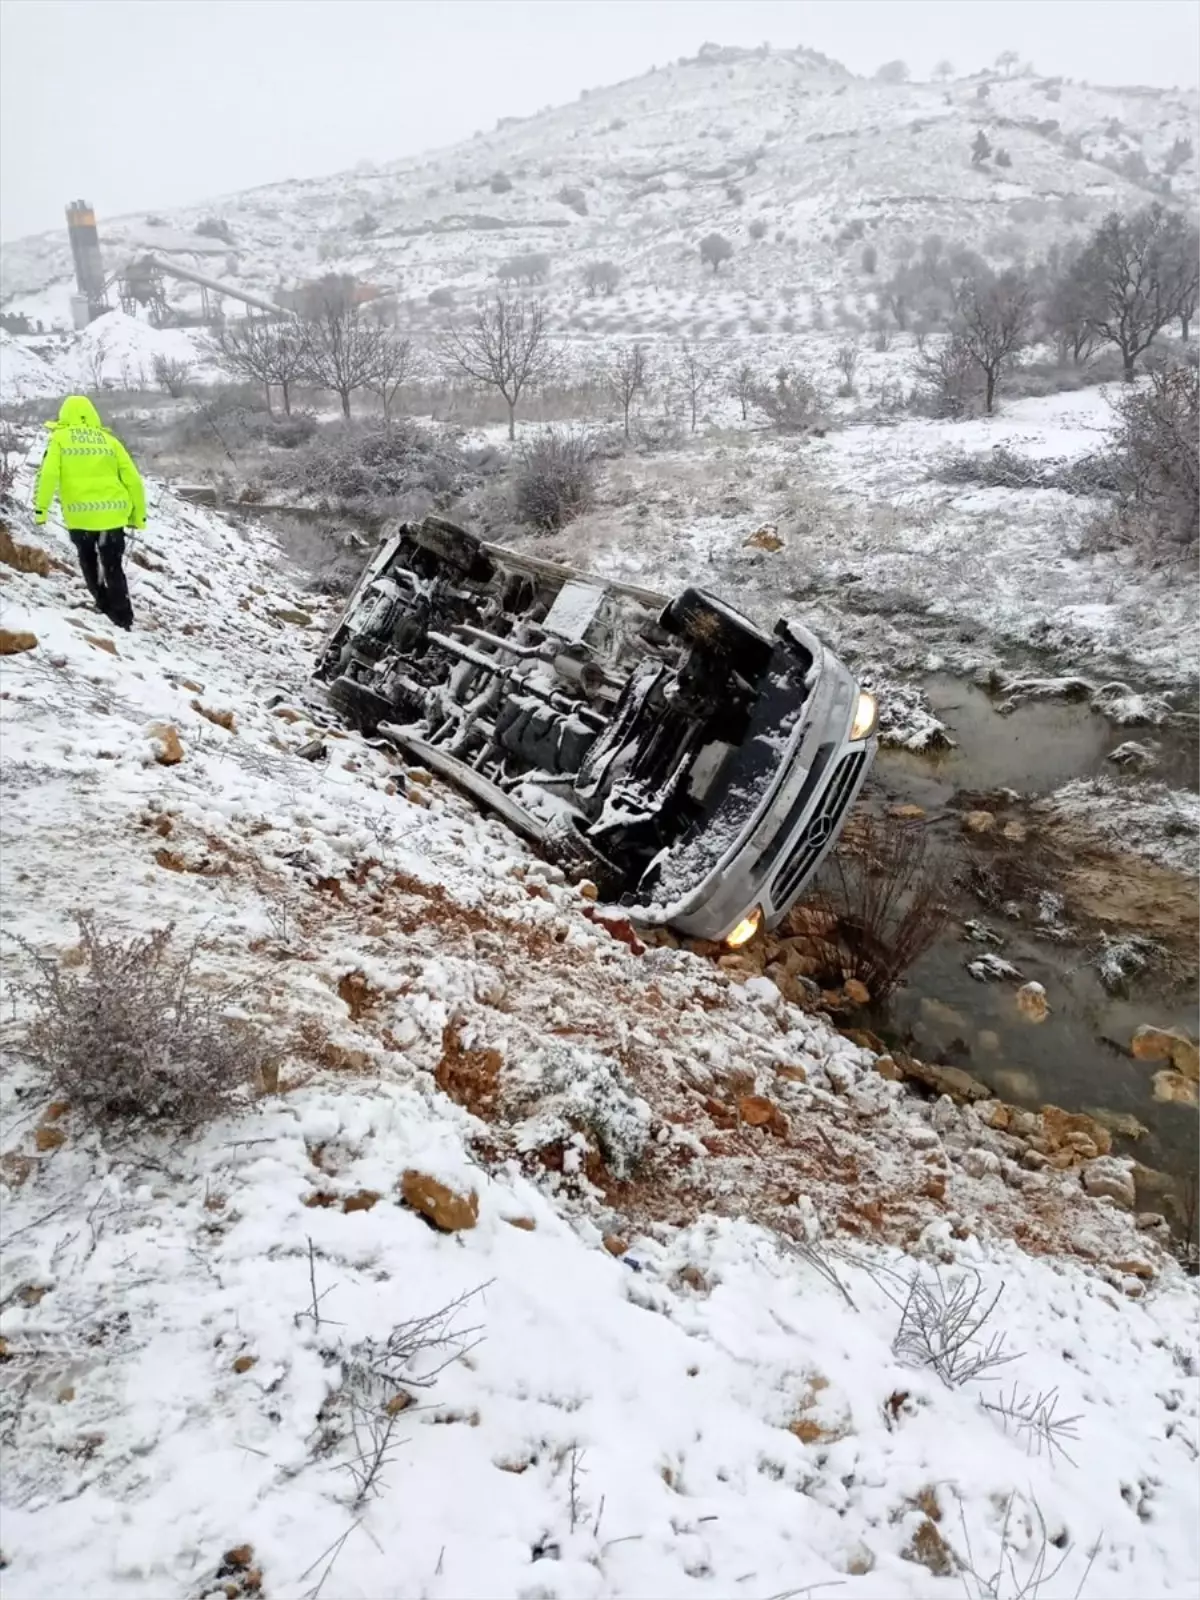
x,y
1079,1056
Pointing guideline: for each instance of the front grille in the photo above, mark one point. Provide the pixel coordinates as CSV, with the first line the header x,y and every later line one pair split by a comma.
x,y
821,829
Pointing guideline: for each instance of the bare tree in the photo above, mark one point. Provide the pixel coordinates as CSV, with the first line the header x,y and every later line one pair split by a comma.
x,y
1184,258
695,373
944,70
505,346
1007,62
1133,279
628,376
743,386
270,353
993,319
392,369
341,349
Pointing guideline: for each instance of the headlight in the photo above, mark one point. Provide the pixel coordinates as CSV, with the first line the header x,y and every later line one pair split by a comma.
x,y
745,930
866,713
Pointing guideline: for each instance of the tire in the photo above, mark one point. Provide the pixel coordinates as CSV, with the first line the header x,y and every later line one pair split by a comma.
x,y
715,630
360,706
566,847
455,546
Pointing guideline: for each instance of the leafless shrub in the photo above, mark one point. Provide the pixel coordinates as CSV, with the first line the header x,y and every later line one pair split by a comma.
x,y
1002,468
940,1329
1157,465
1032,1416
555,479
948,382
791,403
1008,1582
379,1375
363,465
10,452
883,898
846,361
172,375
130,1035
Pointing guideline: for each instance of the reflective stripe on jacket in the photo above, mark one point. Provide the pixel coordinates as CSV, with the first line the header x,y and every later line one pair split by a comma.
x,y
91,471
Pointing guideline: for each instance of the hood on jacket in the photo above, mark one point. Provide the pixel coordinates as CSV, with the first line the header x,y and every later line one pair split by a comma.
x,y
77,411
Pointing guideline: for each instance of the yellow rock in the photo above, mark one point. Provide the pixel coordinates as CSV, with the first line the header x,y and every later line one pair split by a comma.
x,y
438,1203
14,641
1032,1002
1174,1088
168,751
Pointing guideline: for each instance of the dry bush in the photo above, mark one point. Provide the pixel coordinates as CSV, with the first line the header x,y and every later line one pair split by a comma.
x,y
1002,468
884,898
129,1035
792,403
555,479
949,383
1156,460
172,375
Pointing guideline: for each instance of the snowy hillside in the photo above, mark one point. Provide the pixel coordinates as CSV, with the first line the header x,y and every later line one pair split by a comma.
x,y
680,1224
799,163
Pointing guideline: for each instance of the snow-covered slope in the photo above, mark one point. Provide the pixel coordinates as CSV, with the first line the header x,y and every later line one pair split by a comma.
x,y
711,1405
797,161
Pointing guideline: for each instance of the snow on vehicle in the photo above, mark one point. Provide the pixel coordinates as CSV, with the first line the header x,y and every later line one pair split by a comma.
x,y
697,768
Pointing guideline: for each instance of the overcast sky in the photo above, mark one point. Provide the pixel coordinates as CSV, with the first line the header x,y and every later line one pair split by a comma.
x,y
134,104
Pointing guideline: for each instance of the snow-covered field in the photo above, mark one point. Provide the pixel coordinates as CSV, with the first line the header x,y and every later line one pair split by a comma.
x,y
905,573
713,1404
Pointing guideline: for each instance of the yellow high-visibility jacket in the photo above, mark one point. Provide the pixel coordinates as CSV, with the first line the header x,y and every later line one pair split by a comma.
x,y
91,472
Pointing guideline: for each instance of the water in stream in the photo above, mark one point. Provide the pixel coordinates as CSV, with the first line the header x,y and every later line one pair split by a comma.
x,y
1078,1058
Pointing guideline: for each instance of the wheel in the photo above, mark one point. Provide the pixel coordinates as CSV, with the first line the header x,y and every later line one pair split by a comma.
x,y
716,630
565,846
359,705
455,546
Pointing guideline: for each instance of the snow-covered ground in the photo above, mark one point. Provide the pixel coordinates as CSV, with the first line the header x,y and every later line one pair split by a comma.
x,y
713,1404
901,571
114,352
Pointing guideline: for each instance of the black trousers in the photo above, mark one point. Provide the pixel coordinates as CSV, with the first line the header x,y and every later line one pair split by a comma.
x,y
100,557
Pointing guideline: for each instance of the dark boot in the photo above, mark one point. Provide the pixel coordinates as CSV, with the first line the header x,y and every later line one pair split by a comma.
x,y
116,590
88,547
